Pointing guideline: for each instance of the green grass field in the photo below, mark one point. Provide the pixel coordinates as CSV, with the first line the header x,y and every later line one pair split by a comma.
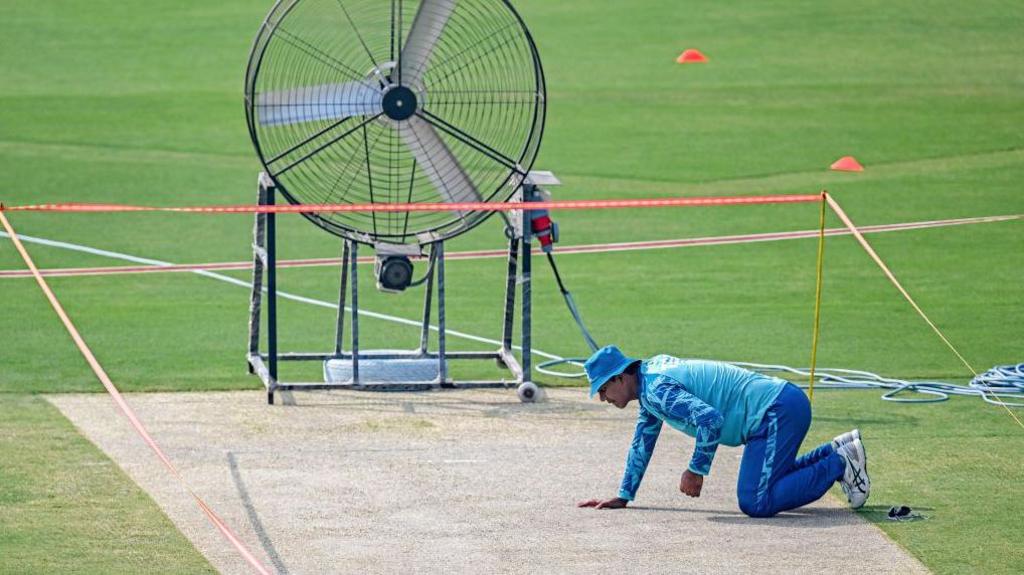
x,y
142,103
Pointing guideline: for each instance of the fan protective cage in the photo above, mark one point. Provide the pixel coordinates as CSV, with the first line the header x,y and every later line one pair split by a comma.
x,y
391,102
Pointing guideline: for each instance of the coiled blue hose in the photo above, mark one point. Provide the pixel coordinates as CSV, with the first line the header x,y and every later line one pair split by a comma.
x,y
1006,381
1003,381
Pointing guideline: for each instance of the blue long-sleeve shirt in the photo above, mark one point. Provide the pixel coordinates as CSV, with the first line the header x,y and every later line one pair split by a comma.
x,y
713,402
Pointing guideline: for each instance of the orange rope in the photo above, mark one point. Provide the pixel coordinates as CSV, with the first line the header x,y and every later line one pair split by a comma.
x,y
426,207
123,405
892,278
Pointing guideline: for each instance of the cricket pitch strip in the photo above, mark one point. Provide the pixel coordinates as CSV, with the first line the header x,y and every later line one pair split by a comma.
x,y
455,481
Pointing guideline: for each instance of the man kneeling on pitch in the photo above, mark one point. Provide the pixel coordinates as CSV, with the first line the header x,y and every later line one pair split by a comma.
x,y
716,403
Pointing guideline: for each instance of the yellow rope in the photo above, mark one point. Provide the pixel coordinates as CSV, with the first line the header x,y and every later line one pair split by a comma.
x,y
871,252
817,296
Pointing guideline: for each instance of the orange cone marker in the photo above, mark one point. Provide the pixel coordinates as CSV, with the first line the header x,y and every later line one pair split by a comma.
x,y
847,164
691,56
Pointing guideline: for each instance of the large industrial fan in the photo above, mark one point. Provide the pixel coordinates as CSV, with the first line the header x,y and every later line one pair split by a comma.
x,y
395,102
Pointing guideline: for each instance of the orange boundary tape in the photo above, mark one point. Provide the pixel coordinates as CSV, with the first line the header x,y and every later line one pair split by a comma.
x,y
892,278
427,207
101,374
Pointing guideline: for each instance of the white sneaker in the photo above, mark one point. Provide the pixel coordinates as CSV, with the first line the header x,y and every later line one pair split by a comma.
x,y
855,482
845,438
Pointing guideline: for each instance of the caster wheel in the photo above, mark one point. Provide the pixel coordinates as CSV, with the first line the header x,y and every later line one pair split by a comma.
x,y
528,392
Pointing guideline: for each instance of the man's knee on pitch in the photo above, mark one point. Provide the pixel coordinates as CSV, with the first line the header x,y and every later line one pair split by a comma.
x,y
752,506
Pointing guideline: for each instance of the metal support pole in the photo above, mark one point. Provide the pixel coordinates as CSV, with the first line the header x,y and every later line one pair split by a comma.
x,y
526,264
510,293
425,332
271,295
354,274
339,333
259,235
441,339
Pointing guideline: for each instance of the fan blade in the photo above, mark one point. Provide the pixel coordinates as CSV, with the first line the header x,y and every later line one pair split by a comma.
x,y
313,103
438,162
423,36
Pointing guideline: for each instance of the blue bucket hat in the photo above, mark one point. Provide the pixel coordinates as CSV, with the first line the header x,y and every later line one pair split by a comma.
x,y
605,364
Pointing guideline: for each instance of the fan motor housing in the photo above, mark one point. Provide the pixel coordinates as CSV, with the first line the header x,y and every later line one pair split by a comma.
x,y
399,103
394,273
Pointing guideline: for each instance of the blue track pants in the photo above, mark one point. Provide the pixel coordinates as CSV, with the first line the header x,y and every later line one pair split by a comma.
x,y
772,477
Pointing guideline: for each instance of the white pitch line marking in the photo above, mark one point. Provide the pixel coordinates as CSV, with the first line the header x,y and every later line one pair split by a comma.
x,y
282,294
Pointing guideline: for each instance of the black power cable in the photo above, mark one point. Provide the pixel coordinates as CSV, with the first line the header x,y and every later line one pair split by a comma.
x,y
571,304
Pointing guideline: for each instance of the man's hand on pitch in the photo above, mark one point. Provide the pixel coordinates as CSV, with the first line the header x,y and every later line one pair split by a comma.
x,y
691,483
615,503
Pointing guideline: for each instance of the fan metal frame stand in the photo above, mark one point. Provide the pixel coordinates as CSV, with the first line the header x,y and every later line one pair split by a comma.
x,y
265,365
